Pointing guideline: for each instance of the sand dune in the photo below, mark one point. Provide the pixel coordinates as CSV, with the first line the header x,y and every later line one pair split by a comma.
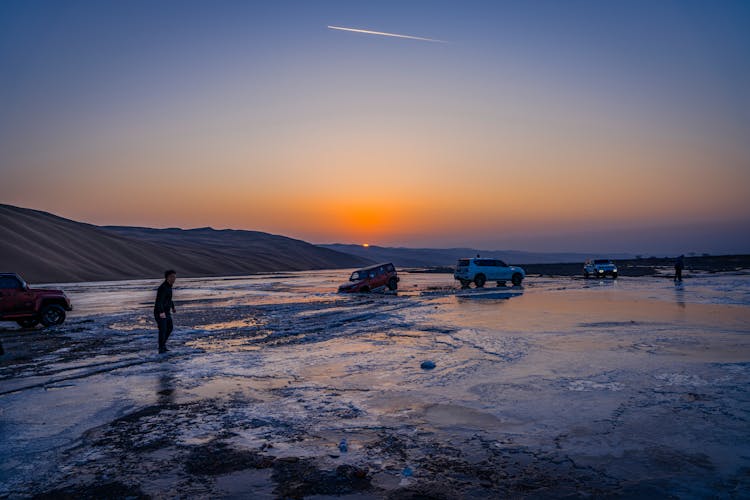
x,y
43,247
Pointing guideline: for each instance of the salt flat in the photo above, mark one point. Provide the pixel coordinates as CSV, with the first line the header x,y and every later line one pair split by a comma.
x,y
564,387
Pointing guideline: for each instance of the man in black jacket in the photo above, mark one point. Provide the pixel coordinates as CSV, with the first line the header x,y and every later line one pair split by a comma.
x,y
164,307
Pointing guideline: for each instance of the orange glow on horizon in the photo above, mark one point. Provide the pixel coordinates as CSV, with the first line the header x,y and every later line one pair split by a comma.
x,y
356,186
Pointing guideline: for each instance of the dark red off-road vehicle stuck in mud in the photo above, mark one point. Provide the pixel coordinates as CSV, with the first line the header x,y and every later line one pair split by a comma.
x,y
30,306
373,278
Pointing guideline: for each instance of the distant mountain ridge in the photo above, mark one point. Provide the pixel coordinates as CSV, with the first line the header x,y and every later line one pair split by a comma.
x,y
43,247
427,257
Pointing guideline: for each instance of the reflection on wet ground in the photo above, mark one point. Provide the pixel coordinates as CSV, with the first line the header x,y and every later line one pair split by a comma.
x,y
562,387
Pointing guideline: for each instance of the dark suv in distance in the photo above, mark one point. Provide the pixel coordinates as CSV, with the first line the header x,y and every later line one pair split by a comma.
x,y
371,278
599,268
30,306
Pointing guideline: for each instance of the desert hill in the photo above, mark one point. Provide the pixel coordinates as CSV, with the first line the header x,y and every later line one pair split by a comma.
x,y
43,247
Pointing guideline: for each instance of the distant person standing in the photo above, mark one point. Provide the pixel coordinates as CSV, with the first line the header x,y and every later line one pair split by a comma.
x,y
679,265
163,309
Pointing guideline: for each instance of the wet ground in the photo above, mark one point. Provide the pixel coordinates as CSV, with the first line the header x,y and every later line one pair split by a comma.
x,y
562,388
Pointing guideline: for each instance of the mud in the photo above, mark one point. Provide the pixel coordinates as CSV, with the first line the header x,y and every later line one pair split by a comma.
x,y
562,388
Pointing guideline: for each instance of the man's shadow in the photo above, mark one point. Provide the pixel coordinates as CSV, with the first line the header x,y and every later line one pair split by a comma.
x,y
165,388
679,294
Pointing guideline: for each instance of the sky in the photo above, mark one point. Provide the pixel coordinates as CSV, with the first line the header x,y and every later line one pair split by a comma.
x,y
537,125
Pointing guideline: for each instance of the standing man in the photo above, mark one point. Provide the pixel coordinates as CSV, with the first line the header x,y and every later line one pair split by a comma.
x,y
679,265
163,309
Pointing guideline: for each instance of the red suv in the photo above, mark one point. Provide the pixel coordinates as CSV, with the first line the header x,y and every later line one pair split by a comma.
x,y
30,306
371,278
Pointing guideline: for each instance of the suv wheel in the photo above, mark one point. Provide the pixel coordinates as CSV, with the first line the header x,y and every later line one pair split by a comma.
x,y
28,322
52,315
586,274
392,284
517,279
479,280
465,283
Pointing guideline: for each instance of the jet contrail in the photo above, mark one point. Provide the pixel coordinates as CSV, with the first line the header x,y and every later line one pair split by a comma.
x,y
368,32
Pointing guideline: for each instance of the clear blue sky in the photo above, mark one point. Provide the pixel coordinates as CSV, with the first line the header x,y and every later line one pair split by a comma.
x,y
537,122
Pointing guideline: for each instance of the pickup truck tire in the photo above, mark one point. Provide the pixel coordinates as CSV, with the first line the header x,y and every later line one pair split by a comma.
x,y
516,279
392,284
52,315
479,280
28,323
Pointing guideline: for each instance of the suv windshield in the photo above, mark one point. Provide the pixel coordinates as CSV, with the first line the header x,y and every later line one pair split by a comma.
x,y
602,261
